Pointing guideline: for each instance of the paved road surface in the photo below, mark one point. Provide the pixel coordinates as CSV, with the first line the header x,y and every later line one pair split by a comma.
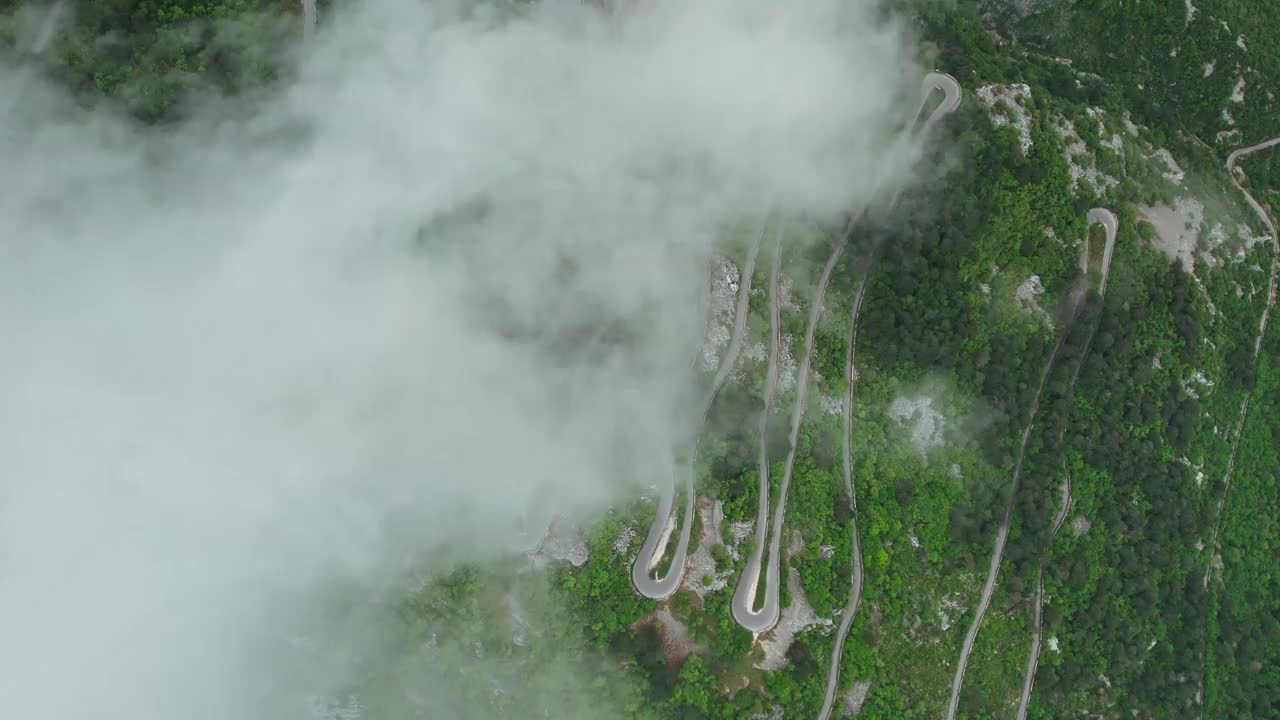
x,y
1108,221
740,321
44,35
47,28
655,543
1002,535
744,595
951,100
1033,658
1231,169
772,596
1236,176
656,540
767,616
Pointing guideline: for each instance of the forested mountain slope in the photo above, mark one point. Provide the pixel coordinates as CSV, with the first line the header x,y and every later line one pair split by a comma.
x,y
1140,576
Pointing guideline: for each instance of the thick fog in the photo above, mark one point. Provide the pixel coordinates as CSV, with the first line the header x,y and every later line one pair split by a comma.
x,y
445,283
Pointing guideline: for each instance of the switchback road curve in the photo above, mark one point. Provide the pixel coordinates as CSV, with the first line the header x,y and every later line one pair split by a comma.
x,y
744,595
656,540
1002,535
1107,219
1236,176
951,101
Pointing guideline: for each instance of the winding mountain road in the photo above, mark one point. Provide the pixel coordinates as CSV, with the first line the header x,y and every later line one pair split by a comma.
x,y
44,36
1236,176
743,598
744,612
1002,537
1108,221
855,582
1033,658
1106,218
744,595
1111,226
951,96
655,542
48,27
1232,159
730,359
308,19
951,101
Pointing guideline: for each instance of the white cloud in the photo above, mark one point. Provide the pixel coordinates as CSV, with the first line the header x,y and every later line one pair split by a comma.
x,y
232,371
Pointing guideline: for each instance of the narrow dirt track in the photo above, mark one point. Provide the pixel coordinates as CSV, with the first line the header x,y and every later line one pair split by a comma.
x,y
730,358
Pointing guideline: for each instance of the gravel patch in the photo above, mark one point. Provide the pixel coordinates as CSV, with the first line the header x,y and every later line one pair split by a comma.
x,y
949,610
1008,108
1129,124
775,713
739,532
786,295
1245,233
1197,378
622,543
855,697
1177,228
1082,163
676,641
1237,93
1080,525
787,368
724,298
1112,142
701,564
1028,296
796,618
1228,137
831,405
1175,173
564,544
926,423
